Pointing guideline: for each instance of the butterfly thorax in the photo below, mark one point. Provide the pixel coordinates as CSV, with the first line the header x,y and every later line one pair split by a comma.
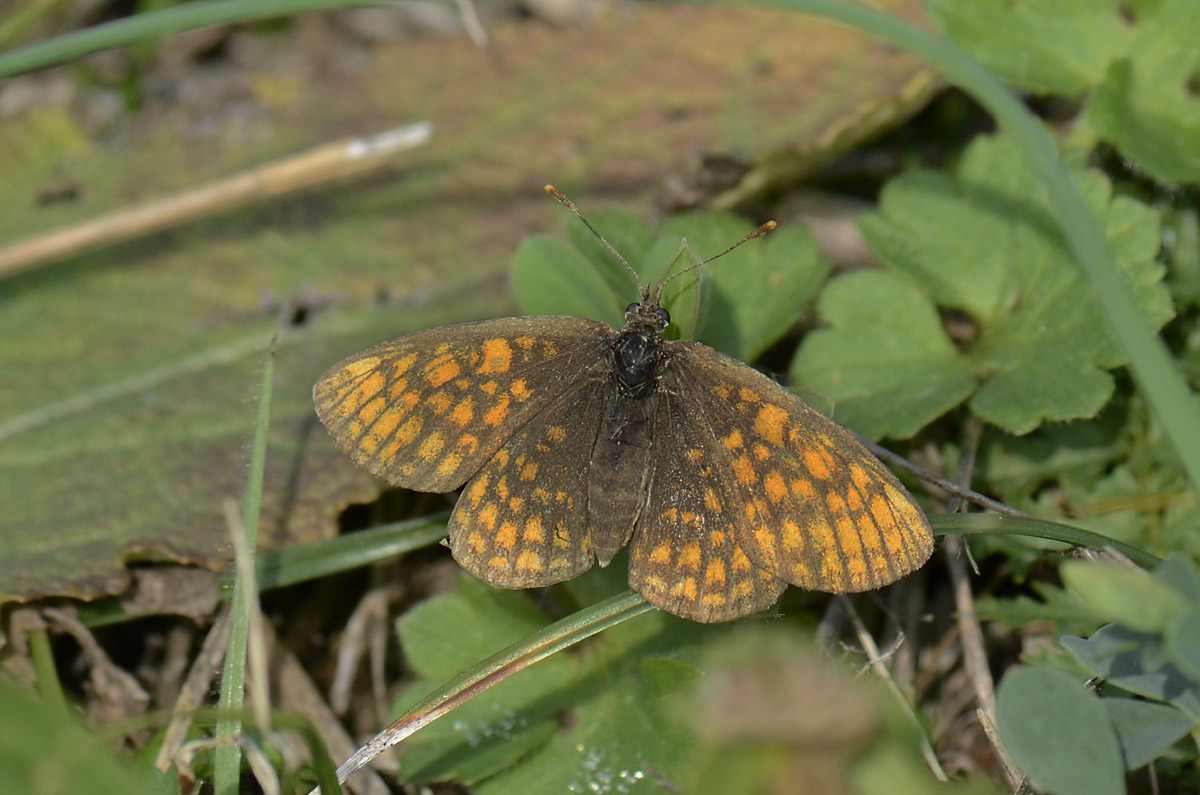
x,y
637,350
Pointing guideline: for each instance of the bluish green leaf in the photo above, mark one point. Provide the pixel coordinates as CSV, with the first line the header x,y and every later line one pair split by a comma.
x,y
1058,733
1145,729
1136,662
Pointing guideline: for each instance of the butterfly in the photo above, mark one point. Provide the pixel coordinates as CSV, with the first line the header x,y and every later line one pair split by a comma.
x,y
571,439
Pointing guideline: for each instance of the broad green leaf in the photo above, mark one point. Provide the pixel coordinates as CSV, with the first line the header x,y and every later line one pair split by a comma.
x,y
44,750
1180,573
628,235
1129,596
980,242
756,291
1145,729
738,304
883,360
569,721
1045,46
1138,59
551,278
1137,662
1183,642
1058,733
1062,608
1147,105
448,634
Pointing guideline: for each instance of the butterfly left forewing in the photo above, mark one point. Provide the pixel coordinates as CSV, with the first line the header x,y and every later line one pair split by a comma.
x,y
425,411
812,505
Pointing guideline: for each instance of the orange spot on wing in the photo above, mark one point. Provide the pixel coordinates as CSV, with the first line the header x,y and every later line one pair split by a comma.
x,y
791,537
488,516
689,556
439,372
438,402
520,390
529,561
506,536
430,446
463,413
497,356
498,412
770,424
661,554
409,430
743,470
534,532
775,487
816,460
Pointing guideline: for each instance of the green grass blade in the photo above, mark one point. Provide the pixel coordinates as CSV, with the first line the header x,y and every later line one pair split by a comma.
x,y
152,25
233,676
974,523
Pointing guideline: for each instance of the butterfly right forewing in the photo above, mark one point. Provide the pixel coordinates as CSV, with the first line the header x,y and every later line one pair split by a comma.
x,y
814,507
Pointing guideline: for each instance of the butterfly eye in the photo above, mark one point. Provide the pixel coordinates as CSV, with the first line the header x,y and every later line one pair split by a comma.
x,y
664,316
629,310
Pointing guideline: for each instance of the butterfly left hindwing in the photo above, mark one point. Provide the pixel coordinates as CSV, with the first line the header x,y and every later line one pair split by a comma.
x,y
522,520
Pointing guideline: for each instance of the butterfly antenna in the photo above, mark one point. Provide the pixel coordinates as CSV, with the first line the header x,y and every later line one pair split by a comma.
x,y
570,205
766,228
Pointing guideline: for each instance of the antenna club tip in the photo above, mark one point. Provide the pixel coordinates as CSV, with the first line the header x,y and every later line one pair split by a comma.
x,y
769,226
553,191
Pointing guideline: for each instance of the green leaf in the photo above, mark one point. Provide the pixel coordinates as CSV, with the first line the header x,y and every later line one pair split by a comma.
x,y
1180,573
1045,46
1064,609
1129,596
757,290
551,278
1058,733
1145,729
569,721
1138,59
884,358
1183,643
748,298
43,749
1136,662
980,243
1147,105
449,633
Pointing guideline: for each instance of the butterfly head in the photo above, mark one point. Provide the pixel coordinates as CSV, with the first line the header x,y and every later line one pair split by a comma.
x,y
646,316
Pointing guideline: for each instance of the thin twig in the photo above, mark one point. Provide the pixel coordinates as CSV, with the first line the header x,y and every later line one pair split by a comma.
x,y
975,659
329,161
868,644
195,687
